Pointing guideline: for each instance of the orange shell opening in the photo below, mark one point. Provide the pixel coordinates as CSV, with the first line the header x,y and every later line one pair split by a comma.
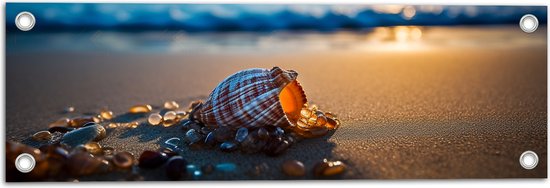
x,y
292,100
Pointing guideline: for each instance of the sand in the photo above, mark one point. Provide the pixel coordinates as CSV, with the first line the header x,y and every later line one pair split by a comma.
x,y
449,113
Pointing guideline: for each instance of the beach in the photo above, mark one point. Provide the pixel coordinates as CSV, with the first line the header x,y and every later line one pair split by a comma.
x,y
453,110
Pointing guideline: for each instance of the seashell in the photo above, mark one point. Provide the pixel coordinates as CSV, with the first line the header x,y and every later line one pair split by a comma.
x,y
253,98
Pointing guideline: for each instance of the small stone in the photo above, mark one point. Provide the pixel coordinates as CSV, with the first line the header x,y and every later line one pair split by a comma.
x,y
123,160
42,136
83,135
305,113
169,116
152,159
171,105
279,131
60,129
321,121
228,146
154,119
106,114
332,123
82,164
302,124
276,147
328,168
226,167
81,121
294,168
169,152
176,168
69,109
138,109
241,134
181,114
263,133
210,139
93,148
63,122
192,136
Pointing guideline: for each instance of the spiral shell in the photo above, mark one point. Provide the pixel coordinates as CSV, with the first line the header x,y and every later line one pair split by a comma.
x,y
253,98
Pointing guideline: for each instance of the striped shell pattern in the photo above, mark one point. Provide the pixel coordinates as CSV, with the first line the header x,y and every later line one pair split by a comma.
x,y
250,98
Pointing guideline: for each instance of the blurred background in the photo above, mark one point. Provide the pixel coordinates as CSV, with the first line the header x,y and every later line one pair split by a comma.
x,y
217,28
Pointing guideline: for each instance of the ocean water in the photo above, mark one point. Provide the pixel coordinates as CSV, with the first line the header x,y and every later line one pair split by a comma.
x,y
378,39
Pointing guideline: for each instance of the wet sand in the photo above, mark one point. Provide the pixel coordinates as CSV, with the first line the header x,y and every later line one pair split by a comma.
x,y
447,113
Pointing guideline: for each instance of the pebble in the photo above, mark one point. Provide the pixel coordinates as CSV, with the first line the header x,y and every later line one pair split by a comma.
x,y
170,116
106,114
82,164
228,146
63,122
81,121
154,119
138,109
241,134
294,168
276,147
123,160
83,135
263,133
171,105
69,109
94,148
210,139
279,131
152,159
176,168
42,136
192,136
226,167
328,168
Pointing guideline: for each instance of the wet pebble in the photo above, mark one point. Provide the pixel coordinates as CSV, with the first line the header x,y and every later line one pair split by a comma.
x,y
83,135
93,148
152,159
210,139
171,105
154,119
176,168
192,136
241,134
123,160
42,136
263,133
106,114
139,109
276,147
294,168
328,168
81,121
226,167
169,116
63,122
83,163
228,146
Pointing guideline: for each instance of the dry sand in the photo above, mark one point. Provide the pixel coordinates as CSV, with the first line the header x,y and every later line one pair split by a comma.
x,y
453,113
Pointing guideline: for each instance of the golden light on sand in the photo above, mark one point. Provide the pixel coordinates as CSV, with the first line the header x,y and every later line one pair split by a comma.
x,y
398,38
